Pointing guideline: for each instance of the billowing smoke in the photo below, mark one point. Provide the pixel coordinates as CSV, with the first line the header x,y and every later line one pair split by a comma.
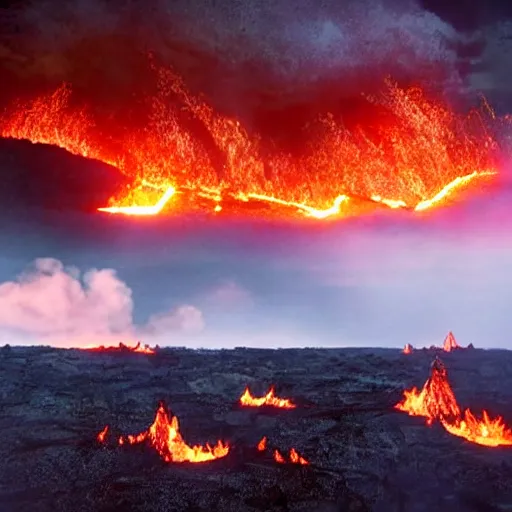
x,y
57,305
245,57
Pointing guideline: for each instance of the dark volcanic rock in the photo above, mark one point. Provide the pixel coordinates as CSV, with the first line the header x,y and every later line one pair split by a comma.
x,y
364,455
43,176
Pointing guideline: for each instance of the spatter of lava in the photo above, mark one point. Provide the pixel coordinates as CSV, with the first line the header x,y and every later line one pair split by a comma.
x,y
420,156
122,347
449,344
269,400
293,457
436,401
164,436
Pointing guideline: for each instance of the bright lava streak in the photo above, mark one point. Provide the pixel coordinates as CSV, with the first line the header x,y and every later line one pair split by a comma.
x,y
142,210
306,210
445,191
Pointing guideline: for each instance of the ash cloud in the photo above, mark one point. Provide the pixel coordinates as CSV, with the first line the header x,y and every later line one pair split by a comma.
x,y
57,305
243,56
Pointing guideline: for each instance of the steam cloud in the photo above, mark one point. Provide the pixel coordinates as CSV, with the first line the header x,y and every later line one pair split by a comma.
x,y
52,304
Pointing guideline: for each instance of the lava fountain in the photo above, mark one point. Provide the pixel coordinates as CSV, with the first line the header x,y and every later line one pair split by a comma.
x,y
416,158
436,401
269,400
164,436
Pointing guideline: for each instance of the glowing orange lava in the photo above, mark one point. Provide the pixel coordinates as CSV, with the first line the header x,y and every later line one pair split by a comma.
x,y
450,343
138,349
102,435
416,161
408,349
293,458
270,399
164,436
436,401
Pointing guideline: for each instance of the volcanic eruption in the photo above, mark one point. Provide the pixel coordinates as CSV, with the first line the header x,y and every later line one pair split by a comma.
x,y
164,436
416,154
269,400
122,347
293,457
449,344
436,401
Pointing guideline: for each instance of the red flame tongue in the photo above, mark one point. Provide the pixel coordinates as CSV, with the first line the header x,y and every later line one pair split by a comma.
x,y
270,400
424,154
122,347
294,457
450,343
165,437
436,401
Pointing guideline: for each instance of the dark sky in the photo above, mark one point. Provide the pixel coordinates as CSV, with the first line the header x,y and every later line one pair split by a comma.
x,y
251,59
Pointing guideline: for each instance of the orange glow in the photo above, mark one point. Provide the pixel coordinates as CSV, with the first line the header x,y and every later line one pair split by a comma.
x,y
450,343
278,457
101,436
164,436
270,399
436,401
138,349
420,157
142,210
408,349
487,432
294,457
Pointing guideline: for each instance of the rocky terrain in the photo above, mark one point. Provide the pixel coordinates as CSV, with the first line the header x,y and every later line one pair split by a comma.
x,y
364,455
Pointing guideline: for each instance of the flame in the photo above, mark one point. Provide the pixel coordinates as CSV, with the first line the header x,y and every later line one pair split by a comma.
x,y
270,399
436,401
122,347
262,445
143,210
278,457
450,343
294,457
487,432
421,155
164,436
102,435
408,349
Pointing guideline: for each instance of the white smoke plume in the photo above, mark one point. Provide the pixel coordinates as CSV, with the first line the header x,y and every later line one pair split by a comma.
x,y
57,305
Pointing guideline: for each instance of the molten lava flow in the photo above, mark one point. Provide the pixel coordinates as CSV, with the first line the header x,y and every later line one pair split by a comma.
x,y
421,155
407,349
278,457
138,349
294,457
270,399
450,343
164,436
486,431
102,435
142,210
436,401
